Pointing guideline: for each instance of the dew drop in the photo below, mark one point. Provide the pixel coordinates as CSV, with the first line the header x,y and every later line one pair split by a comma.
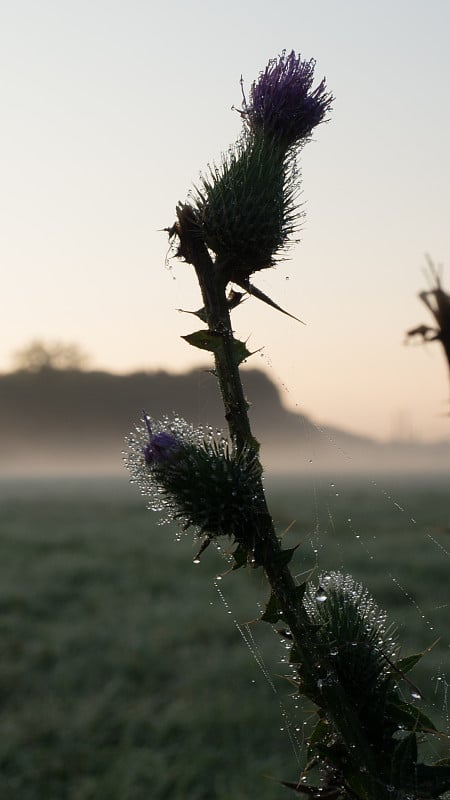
x,y
196,561
415,694
321,595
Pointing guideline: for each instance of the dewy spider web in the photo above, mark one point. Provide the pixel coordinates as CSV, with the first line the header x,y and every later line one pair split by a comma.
x,y
292,729
335,528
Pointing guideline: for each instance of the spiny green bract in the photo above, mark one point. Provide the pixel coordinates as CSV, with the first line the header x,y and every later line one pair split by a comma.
x,y
353,633
246,207
201,482
211,489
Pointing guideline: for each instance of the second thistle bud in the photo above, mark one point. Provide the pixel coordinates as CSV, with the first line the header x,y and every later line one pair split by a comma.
x,y
353,634
194,477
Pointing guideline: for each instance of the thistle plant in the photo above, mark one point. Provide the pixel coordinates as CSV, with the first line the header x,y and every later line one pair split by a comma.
x,y
240,219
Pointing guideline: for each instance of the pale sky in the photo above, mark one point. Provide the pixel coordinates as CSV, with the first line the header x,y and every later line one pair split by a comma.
x,y
109,112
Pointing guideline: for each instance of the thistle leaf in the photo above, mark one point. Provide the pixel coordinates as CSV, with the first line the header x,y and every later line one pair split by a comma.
x,y
204,340
283,557
200,313
407,715
272,611
406,664
319,737
255,292
208,340
240,557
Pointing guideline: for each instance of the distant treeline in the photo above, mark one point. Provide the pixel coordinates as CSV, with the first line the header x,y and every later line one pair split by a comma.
x,y
55,420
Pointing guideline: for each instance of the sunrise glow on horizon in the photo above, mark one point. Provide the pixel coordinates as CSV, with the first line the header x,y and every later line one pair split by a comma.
x,y
111,112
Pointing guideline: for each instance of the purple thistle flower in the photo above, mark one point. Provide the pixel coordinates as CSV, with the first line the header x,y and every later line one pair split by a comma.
x,y
281,102
160,446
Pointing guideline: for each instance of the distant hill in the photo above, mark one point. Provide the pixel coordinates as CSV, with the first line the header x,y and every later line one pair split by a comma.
x,y
74,421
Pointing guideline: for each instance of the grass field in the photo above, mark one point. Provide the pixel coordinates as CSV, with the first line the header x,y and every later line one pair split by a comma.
x,y
124,677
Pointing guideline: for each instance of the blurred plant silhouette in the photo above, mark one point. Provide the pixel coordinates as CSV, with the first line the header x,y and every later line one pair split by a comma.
x,y
437,302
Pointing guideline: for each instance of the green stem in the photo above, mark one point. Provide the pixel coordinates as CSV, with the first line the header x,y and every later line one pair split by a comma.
x,y
333,700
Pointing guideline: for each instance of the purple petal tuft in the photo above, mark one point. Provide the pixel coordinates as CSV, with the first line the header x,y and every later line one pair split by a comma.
x,y
160,447
281,102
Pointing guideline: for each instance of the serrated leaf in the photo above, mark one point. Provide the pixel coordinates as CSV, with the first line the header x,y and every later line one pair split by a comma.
x,y
208,340
261,296
240,351
272,611
408,716
204,340
319,737
201,313
283,557
406,664
240,557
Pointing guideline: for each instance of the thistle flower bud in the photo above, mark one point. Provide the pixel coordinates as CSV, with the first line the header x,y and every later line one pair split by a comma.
x,y
353,634
281,102
194,478
246,207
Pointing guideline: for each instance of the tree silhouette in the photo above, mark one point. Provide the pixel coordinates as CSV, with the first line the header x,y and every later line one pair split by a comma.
x,y
39,356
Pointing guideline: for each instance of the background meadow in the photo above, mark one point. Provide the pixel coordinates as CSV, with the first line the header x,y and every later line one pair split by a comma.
x,y
127,672
123,674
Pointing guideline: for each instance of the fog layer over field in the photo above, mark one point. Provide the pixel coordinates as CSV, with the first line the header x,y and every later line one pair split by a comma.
x,y
57,421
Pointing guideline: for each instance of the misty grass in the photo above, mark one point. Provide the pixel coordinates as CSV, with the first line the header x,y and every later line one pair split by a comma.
x,y
113,685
